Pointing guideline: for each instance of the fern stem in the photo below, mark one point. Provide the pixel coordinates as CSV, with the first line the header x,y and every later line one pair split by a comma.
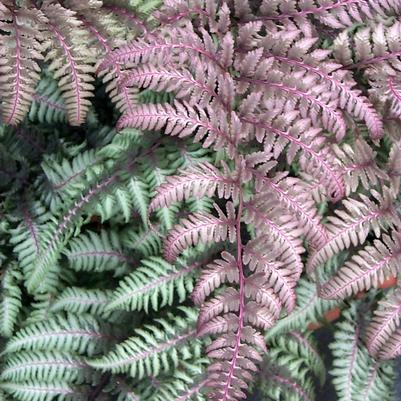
x,y
371,380
32,229
97,390
21,133
171,19
78,206
241,291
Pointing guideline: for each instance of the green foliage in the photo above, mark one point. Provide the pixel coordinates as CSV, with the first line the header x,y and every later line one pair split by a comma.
x,y
73,333
291,369
356,375
154,285
10,305
155,348
90,309
95,252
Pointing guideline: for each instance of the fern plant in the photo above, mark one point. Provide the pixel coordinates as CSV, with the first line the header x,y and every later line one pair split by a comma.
x,y
188,188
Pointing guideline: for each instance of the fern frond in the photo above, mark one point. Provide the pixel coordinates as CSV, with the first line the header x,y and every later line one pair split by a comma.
x,y
200,228
338,82
11,300
182,120
335,14
48,104
385,321
271,220
350,359
262,257
379,382
71,62
359,164
366,43
292,368
220,271
95,251
186,383
392,347
145,241
69,333
196,181
39,391
368,268
66,178
279,385
295,198
45,366
356,375
160,50
80,301
154,284
27,236
22,30
307,348
310,308
56,236
353,225
155,348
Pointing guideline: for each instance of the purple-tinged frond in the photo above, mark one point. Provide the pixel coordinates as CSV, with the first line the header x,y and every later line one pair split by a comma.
x,y
261,257
352,225
271,220
317,158
72,64
350,100
183,120
386,320
368,268
218,272
196,181
19,68
296,200
200,228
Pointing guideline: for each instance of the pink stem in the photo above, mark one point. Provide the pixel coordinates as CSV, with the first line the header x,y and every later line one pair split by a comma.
x,y
241,296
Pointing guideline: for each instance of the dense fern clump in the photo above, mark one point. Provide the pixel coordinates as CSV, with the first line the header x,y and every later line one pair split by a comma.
x,y
189,189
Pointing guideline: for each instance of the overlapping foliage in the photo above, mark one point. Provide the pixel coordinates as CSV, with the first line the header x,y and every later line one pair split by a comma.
x,y
185,186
